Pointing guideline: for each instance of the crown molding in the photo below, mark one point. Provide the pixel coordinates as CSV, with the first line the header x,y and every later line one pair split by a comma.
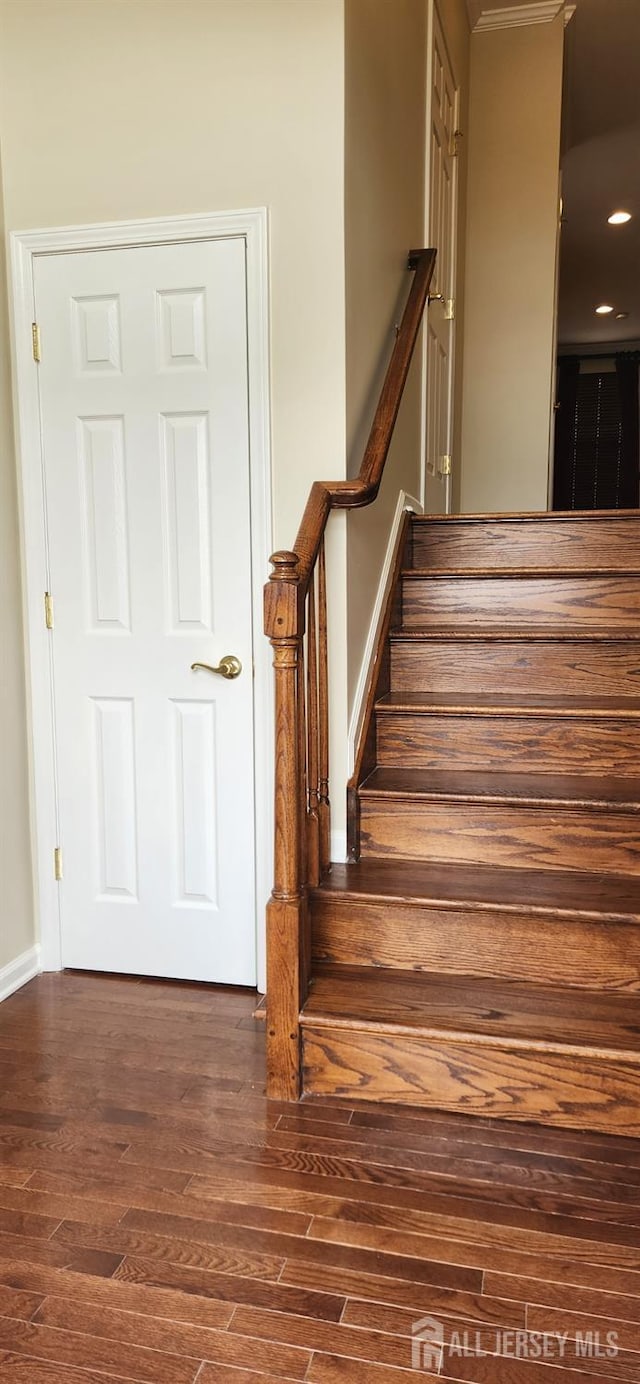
x,y
484,15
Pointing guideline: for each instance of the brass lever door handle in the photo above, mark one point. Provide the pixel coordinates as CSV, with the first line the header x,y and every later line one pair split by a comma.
x,y
228,667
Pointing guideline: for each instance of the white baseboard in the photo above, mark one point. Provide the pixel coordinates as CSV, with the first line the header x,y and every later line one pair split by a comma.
x,y
18,972
405,503
338,846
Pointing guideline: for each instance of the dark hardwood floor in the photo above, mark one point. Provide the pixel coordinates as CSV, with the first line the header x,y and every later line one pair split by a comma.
x,y
160,1220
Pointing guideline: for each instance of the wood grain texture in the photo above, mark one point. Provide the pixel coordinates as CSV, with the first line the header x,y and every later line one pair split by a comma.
x,y
378,686
498,812
465,1077
513,836
311,819
287,949
480,952
555,894
518,945
526,1016
333,1228
301,732
324,806
588,791
520,598
482,662
548,740
540,540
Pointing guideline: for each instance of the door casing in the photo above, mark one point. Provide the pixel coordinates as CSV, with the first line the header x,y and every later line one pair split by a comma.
x,y
435,29
25,246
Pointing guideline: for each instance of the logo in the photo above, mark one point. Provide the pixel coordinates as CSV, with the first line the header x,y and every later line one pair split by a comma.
x,y
426,1344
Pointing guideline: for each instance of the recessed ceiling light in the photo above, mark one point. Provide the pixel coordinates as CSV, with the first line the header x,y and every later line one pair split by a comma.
x,y
620,315
603,309
618,218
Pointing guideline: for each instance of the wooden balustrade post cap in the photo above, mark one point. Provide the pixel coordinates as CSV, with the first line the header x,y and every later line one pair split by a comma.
x,y
283,598
285,566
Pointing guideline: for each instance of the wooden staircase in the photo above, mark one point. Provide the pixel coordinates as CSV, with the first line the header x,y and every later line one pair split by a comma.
x,y
482,951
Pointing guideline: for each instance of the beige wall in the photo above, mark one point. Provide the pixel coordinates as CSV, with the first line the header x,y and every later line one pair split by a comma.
x,y
314,108
512,212
117,109
111,109
16,912
385,57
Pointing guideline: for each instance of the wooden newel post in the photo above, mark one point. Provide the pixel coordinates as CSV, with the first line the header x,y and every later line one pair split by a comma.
x,y
287,913
302,808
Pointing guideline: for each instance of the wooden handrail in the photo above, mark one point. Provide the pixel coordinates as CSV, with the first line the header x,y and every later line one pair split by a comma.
x,y
327,495
295,607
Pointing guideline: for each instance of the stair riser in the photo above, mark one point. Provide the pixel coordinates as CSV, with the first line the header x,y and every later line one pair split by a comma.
x,y
487,942
422,994
581,602
543,838
572,668
587,1092
545,542
514,744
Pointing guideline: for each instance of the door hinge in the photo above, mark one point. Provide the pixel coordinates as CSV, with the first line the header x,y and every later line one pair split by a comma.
x,y
35,342
455,143
449,309
57,863
48,610
444,466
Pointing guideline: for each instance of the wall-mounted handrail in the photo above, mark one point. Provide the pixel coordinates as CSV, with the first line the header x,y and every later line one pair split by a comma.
x,y
296,624
328,495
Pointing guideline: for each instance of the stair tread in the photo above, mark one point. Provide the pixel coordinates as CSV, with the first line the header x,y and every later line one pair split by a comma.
x,y
516,571
484,955
616,897
514,1013
517,633
567,790
536,516
501,704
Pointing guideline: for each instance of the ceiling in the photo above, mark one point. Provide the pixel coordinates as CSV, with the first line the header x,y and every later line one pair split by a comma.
x,y
600,173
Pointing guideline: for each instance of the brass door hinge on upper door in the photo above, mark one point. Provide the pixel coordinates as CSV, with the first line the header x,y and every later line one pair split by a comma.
x,y
57,864
35,342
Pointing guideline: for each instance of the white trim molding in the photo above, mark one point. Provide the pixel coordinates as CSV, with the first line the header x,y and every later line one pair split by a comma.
x,y
484,15
251,225
338,845
19,972
406,504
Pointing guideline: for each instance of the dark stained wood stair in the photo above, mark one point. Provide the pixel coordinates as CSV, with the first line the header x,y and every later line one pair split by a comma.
x,y
481,952
483,1047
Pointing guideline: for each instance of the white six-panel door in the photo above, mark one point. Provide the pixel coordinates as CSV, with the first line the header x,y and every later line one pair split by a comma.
x,y
145,431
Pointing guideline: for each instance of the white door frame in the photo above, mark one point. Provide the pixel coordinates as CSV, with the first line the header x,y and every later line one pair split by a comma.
x,y
434,17
425,212
25,247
